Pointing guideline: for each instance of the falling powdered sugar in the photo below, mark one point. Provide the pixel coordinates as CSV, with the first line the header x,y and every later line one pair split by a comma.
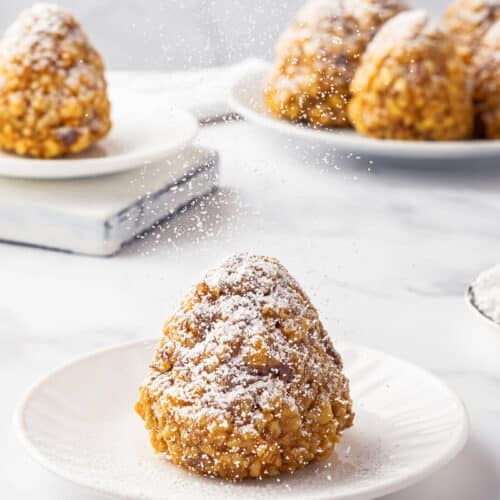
x,y
245,370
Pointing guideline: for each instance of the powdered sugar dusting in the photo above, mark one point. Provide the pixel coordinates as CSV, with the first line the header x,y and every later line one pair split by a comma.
x,y
491,40
240,362
45,37
352,21
407,28
316,11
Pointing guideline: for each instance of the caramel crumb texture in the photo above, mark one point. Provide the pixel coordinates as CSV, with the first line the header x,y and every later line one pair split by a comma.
x,y
412,84
245,382
486,66
468,21
53,97
316,58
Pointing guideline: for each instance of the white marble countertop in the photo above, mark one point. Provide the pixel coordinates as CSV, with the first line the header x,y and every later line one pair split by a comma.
x,y
385,253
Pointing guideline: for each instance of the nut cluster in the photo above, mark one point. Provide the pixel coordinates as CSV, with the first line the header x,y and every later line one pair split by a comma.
x,y
412,84
390,72
245,382
468,21
317,56
53,97
486,65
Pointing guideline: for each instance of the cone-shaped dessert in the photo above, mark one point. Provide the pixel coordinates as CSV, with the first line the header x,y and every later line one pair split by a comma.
x,y
53,97
412,84
317,56
468,21
245,381
487,83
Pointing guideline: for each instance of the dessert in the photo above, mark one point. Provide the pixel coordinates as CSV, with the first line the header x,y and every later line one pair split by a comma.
x,y
53,97
486,64
245,381
317,56
412,84
468,21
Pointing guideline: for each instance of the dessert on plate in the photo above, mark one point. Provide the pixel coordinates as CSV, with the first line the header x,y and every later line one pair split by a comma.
x,y
53,96
486,64
245,382
317,55
412,84
468,21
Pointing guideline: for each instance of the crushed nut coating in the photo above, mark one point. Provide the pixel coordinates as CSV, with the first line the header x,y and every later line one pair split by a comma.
x,y
468,21
486,65
53,97
245,382
412,84
317,56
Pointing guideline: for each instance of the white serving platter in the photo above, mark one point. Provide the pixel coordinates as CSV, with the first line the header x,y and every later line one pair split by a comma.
x,y
246,98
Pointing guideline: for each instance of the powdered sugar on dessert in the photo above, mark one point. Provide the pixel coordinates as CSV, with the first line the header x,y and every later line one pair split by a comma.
x,y
215,372
317,56
317,11
40,35
402,31
245,382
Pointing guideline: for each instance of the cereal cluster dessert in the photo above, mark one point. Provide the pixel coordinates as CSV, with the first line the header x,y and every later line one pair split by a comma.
x,y
245,382
468,21
53,97
390,72
412,84
317,56
486,65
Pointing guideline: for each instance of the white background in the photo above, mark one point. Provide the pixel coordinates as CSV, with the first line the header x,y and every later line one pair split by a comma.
x,y
166,34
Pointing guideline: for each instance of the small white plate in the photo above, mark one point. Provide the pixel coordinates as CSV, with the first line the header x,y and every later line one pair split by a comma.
x,y
246,98
145,129
78,422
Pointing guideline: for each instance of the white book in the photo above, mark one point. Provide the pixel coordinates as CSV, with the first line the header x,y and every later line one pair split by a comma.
x,y
98,215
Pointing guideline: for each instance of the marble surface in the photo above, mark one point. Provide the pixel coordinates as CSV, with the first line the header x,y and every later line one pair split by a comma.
x,y
97,215
385,253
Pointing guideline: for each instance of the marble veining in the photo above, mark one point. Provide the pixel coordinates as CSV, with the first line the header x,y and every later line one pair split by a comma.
x,y
385,253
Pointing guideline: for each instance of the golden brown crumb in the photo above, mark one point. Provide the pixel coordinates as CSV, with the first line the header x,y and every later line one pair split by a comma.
x,y
245,382
486,65
412,84
468,21
317,56
53,97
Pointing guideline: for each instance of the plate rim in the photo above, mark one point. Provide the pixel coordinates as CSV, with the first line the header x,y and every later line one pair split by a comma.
x,y
468,297
367,493
446,150
101,165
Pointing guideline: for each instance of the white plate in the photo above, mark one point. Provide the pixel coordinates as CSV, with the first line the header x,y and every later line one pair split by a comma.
x,y
145,129
78,422
246,98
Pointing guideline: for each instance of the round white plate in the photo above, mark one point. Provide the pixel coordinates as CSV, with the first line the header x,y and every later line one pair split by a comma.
x,y
145,129
79,423
246,98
